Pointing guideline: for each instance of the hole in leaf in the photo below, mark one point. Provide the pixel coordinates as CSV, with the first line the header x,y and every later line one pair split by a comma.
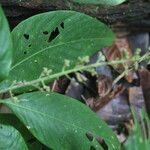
x,y
25,52
89,136
26,36
53,35
92,148
62,25
29,45
102,143
45,32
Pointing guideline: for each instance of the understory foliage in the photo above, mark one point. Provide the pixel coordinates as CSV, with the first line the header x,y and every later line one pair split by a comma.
x,y
46,47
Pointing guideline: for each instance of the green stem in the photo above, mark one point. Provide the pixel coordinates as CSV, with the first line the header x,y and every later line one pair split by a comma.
x,y
57,75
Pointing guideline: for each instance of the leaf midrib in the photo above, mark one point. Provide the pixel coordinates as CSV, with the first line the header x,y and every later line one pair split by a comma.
x,y
48,116
26,59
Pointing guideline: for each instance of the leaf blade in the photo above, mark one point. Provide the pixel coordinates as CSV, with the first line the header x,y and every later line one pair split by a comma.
x,y
102,2
38,47
11,139
63,122
5,47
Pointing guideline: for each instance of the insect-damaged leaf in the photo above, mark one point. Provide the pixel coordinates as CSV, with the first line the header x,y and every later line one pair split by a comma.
x,y
62,123
47,39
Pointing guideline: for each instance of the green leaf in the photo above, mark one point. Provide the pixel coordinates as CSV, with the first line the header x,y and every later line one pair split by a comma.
x,y
11,119
11,139
5,47
102,2
61,122
47,39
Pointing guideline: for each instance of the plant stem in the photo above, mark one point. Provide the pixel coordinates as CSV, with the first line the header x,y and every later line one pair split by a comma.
x,y
66,72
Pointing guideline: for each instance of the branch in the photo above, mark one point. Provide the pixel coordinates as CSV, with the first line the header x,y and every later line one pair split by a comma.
x,y
74,70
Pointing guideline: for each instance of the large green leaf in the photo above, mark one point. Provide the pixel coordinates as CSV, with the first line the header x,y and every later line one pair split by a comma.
x,y
45,40
103,2
5,47
61,122
11,139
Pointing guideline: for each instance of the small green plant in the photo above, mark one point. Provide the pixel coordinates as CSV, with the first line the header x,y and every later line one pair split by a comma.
x,y
140,136
46,47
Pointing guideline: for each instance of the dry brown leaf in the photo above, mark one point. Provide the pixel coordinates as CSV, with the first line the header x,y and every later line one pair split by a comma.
x,y
116,51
